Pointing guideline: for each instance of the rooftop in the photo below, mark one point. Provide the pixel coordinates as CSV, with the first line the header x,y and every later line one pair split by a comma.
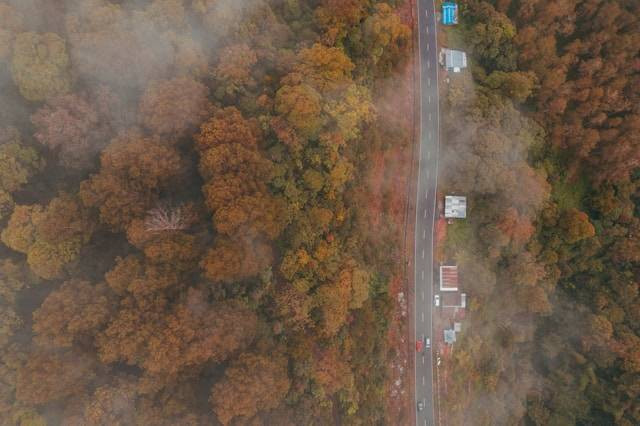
x,y
455,207
448,278
454,60
450,336
449,13
454,300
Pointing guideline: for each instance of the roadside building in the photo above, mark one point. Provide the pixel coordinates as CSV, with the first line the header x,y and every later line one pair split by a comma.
x,y
449,13
455,207
454,300
453,60
449,336
448,278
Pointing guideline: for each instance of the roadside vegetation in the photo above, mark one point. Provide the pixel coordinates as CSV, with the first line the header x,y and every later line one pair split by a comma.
x,y
184,195
542,135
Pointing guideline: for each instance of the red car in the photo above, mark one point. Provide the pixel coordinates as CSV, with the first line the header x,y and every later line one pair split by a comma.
x,y
419,345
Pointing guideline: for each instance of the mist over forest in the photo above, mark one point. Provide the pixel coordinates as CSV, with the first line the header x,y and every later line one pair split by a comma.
x,y
542,134
179,191
199,205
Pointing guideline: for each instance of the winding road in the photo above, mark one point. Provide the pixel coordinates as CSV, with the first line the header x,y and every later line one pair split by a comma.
x,y
426,205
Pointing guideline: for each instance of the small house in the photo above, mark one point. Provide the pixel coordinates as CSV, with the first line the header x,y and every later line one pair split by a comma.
x,y
449,336
455,207
453,60
448,278
454,300
449,13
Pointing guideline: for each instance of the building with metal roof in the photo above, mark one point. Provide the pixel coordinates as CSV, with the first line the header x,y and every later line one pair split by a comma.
x,y
454,299
455,207
449,336
448,278
453,60
449,13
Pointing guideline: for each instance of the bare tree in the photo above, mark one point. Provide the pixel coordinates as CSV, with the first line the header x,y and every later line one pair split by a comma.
x,y
167,218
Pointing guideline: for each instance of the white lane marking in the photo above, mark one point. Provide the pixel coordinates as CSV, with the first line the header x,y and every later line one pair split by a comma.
x,y
429,81
429,98
429,116
425,213
426,193
423,359
422,316
423,295
428,173
428,155
427,46
424,233
430,135
422,275
425,422
423,381
428,64
423,253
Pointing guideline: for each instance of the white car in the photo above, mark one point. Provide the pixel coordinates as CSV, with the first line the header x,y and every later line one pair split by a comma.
x,y
427,342
436,299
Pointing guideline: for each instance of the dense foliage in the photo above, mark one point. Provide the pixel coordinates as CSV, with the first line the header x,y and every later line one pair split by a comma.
x,y
545,141
179,189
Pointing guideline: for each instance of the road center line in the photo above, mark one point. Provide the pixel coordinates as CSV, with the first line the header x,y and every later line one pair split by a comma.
x,y
424,233
423,253
423,295
422,276
422,316
423,381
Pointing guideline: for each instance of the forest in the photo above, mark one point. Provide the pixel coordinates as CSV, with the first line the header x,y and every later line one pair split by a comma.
x,y
182,211
543,134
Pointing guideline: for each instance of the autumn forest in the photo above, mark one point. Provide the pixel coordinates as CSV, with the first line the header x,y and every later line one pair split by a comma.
x,y
189,234
543,133
179,183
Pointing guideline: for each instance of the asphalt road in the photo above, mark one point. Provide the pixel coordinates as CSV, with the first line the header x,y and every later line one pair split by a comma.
x,y
426,205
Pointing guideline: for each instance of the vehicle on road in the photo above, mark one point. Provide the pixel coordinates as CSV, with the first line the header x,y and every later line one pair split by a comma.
x,y
419,345
420,405
427,342
436,299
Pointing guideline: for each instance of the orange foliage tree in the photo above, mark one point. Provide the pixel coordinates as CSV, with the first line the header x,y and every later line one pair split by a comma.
x,y
133,171
251,383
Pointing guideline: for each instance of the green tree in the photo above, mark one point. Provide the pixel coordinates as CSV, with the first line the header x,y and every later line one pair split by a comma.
x,y
40,65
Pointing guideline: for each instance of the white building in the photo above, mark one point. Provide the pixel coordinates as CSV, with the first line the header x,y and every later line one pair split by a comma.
x,y
453,60
455,207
